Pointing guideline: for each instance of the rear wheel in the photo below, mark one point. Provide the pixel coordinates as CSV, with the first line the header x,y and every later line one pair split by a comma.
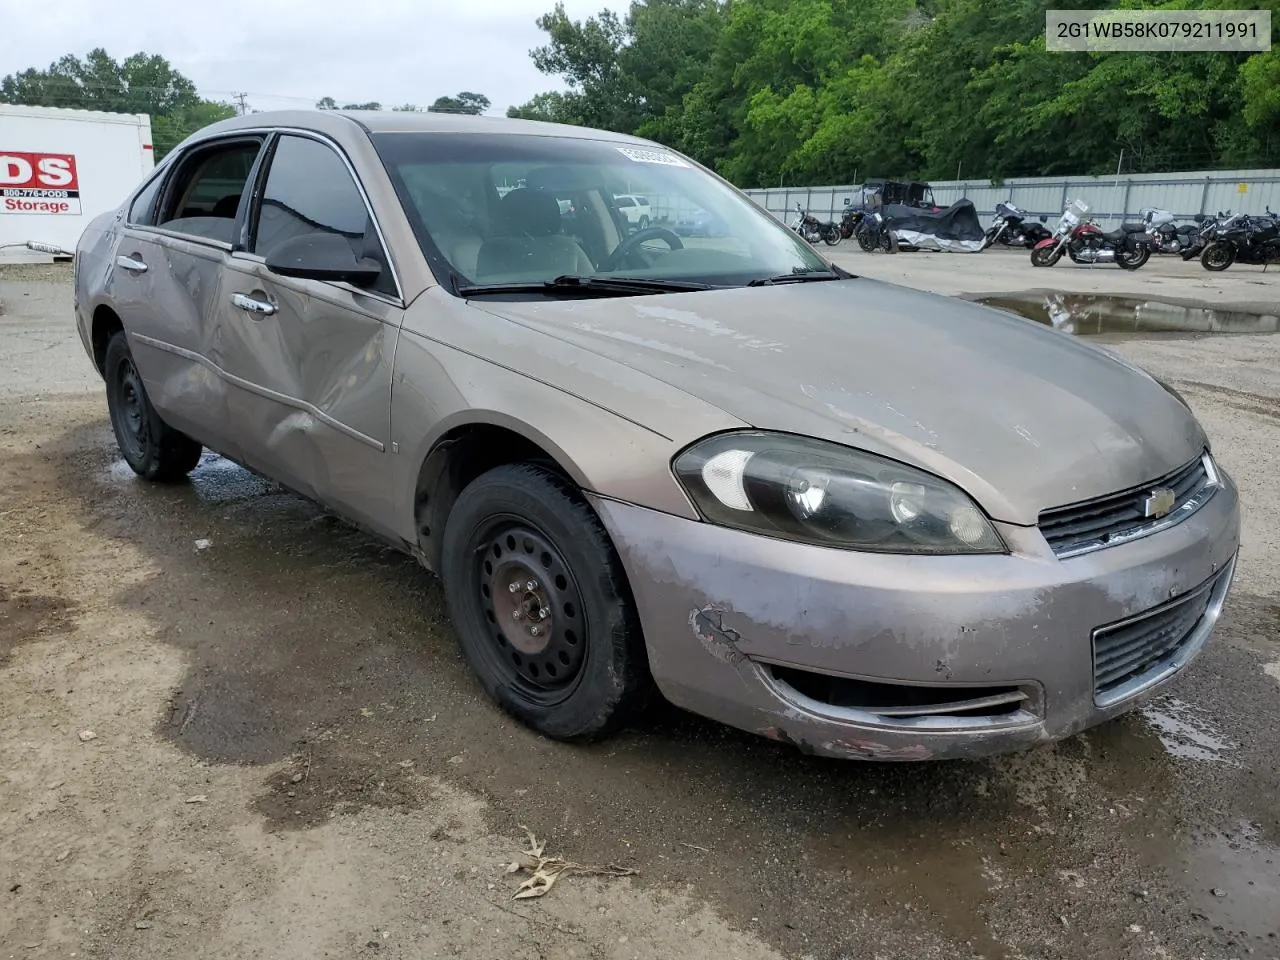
x,y
1133,259
1218,256
153,449
541,605
831,235
1045,256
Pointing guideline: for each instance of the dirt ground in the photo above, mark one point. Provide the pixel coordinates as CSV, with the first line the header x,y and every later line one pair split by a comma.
x,y
267,746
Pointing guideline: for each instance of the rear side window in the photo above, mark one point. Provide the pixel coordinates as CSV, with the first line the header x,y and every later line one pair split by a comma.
x,y
204,193
143,209
310,190
625,202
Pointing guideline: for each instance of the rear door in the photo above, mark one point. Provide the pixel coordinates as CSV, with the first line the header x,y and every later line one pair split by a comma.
x,y
309,363
176,241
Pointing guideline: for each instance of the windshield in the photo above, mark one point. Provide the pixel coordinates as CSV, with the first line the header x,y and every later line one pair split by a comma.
x,y
517,209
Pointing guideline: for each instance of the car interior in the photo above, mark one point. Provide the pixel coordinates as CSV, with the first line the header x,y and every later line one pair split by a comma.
x,y
205,196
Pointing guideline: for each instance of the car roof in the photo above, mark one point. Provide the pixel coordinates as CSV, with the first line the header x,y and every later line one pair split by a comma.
x,y
335,122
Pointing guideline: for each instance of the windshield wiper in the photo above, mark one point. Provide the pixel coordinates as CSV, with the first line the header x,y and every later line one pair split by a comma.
x,y
568,283
799,275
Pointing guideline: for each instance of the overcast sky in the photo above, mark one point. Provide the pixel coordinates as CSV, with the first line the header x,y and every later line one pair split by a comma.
x,y
289,53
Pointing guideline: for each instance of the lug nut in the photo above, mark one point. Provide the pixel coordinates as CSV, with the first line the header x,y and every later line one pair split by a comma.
x,y
534,631
513,587
531,585
516,615
544,612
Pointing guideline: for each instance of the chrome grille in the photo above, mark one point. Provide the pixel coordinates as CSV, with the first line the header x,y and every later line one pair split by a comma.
x,y
1137,652
1115,518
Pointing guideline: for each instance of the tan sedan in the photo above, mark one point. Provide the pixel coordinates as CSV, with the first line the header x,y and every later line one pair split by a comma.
x,y
872,522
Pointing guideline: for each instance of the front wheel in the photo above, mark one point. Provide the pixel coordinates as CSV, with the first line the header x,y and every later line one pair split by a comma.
x,y
643,223
1045,256
831,235
541,605
1218,256
153,449
888,242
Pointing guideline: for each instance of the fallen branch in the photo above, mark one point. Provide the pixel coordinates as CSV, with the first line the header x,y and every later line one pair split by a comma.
x,y
545,871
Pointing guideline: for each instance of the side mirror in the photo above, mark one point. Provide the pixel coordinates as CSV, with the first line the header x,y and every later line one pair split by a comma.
x,y
323,256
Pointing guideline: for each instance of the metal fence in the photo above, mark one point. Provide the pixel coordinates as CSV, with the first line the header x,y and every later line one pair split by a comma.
x,y
1110,199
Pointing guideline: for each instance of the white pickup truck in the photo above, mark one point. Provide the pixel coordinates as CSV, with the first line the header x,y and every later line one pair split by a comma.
x,y
634,208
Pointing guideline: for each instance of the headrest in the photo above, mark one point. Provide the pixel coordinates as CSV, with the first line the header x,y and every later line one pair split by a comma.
x,y
532,213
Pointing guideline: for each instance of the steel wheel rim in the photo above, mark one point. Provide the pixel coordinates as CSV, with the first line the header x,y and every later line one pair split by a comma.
x,y
128,413
535,634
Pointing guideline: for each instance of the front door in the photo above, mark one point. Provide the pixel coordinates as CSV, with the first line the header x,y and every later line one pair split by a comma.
x,y
309,363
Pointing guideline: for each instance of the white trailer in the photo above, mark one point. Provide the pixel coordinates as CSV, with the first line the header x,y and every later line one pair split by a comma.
x,y
61,168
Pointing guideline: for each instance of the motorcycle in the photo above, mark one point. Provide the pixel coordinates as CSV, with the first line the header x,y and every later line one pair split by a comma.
x,y
1012,228
1086,242
1165,235
1206,227
874,234
1251,240
813,229
849,220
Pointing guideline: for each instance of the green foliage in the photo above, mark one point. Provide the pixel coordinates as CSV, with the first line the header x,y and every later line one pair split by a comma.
x,y
141,83
795,91
465,102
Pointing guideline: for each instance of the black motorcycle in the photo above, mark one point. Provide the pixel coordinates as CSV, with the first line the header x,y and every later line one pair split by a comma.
x,y
1011,228
1205,229
1251,240
813,229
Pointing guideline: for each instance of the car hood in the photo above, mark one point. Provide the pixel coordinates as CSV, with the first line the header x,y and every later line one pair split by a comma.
x,y
1021,417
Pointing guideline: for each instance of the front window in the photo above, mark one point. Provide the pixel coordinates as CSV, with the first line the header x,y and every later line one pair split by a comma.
x,y
491,210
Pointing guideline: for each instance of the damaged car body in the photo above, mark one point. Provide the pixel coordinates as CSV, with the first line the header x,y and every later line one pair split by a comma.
x,y
867,521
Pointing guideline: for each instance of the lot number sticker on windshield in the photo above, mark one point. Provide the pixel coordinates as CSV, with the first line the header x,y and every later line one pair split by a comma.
x,y
652,156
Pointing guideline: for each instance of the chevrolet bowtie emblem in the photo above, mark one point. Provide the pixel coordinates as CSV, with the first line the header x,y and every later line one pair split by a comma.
x,y
1159,502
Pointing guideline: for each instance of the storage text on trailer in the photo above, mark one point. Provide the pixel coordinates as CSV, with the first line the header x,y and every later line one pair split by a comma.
x,y
39,183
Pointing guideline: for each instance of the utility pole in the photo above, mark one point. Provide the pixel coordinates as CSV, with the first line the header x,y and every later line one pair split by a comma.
x,y
242,99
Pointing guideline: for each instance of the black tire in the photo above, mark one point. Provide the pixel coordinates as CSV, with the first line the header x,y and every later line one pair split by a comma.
x,y
989,237
1218,256
866,241
587,675
1133,259
831,235
1045,256
888,242
644,222
153,449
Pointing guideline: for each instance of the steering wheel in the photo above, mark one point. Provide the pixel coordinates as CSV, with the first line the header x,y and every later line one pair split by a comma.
x,y
628,246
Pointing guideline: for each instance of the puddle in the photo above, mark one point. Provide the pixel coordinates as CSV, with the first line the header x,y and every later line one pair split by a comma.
x,y
1233,880
1089,314
214,479
1186,732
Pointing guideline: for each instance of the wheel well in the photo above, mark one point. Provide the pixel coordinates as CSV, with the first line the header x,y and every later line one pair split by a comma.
x,y
460,456
105,325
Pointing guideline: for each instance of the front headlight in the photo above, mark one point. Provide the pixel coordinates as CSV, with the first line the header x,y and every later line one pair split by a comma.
x,y
822,493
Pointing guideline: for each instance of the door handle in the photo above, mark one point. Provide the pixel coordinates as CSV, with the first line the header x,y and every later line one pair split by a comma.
x,y
132,264
250,305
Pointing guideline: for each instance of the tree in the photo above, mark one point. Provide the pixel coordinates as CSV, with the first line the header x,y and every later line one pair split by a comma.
x,y
769,91
465,102
553,107
141,83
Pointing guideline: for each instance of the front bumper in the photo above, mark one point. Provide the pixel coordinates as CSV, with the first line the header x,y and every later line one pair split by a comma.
x,y
723,610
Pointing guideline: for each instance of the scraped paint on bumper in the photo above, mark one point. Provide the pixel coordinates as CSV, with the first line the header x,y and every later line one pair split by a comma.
x,y
723,610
